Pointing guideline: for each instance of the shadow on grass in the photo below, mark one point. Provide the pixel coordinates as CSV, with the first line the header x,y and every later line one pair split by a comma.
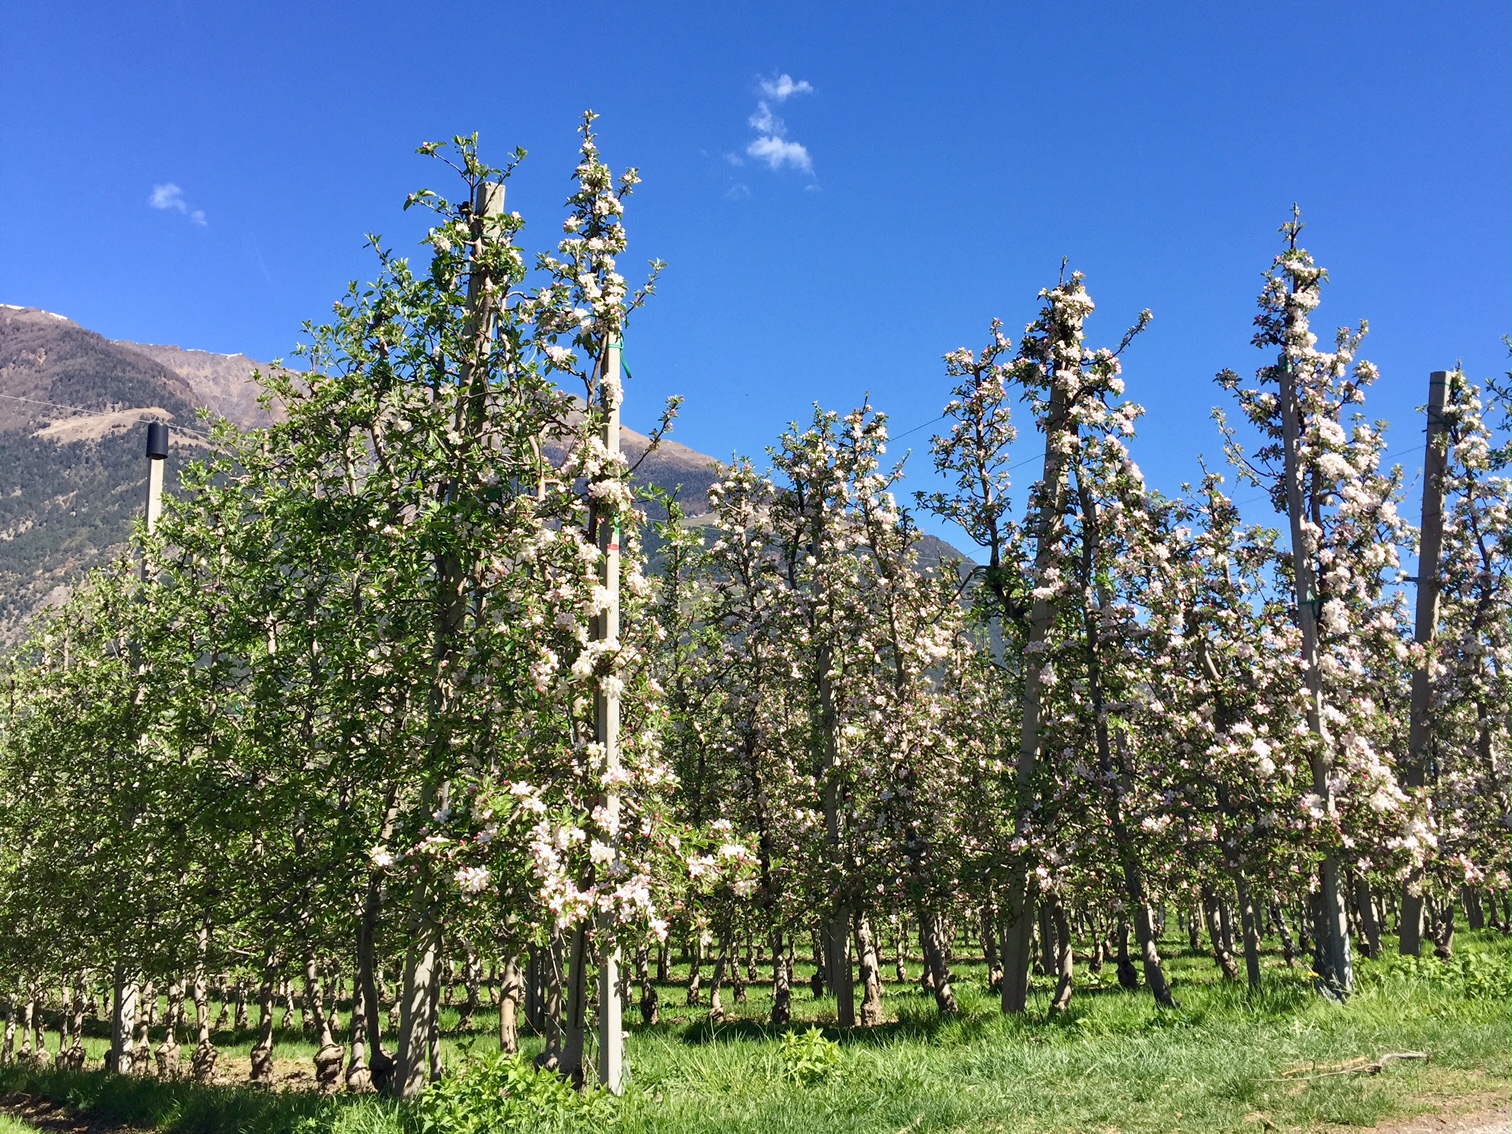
x,y
175,1106
1099,1010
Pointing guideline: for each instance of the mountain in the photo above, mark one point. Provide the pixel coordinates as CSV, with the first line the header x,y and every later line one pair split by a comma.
x,y
73,470
70,481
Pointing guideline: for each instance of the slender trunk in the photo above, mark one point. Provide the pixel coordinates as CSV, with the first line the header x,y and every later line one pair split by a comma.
x,y
1475,917
1046,936
820,979
470,980
871,974
695,967
1332,960
716,981
123,1018
1018,945
1249,919
1147,936
359,1077
1019,910
782,984
988,917
1064,959
367,979
900,941
1127,977
1221,955
1414,771
835,930
837,966
1288,947
1443,927
421,977
434,1028
141,1053
932,943
737,974
262,1050
328,1055
222,996
650,999
575,1020
1365,914
168,1052
510,989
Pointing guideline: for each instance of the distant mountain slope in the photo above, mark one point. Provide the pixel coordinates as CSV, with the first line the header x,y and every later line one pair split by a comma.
x,y
220,382
71,482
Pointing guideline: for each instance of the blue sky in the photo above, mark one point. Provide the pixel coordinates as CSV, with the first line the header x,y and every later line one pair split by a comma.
x,y
203,174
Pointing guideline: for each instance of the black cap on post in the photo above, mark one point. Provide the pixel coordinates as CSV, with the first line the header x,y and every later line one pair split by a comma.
x,y
157,440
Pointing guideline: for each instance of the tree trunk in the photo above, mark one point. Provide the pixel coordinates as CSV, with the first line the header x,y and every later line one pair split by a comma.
x,y
510,990
716,982
1443,927
1475,917
900,942
650,1000
988,917
782,984
262,1050
1046,936
328,1053
1127,977
1249,919
871,974
421,993
1288,947
471,975
933,947
123,1018
1365,916
1212,916
1064,958
695,967
575,1009
359,1077
837,966
168,1052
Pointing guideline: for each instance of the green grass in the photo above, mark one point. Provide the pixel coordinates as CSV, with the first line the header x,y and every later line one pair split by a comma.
x,y
1114,1061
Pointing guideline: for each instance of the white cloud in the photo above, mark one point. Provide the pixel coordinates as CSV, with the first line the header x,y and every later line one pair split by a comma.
x,y
170,196
783,86
767,122
738,192
772,144
778,152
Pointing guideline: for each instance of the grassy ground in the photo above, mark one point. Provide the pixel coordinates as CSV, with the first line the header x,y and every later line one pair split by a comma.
x,y
1224,1060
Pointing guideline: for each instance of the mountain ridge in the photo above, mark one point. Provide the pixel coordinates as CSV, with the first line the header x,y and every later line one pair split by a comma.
x,y
72,469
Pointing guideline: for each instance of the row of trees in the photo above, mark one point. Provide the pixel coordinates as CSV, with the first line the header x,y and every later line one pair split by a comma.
x,y
343,720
